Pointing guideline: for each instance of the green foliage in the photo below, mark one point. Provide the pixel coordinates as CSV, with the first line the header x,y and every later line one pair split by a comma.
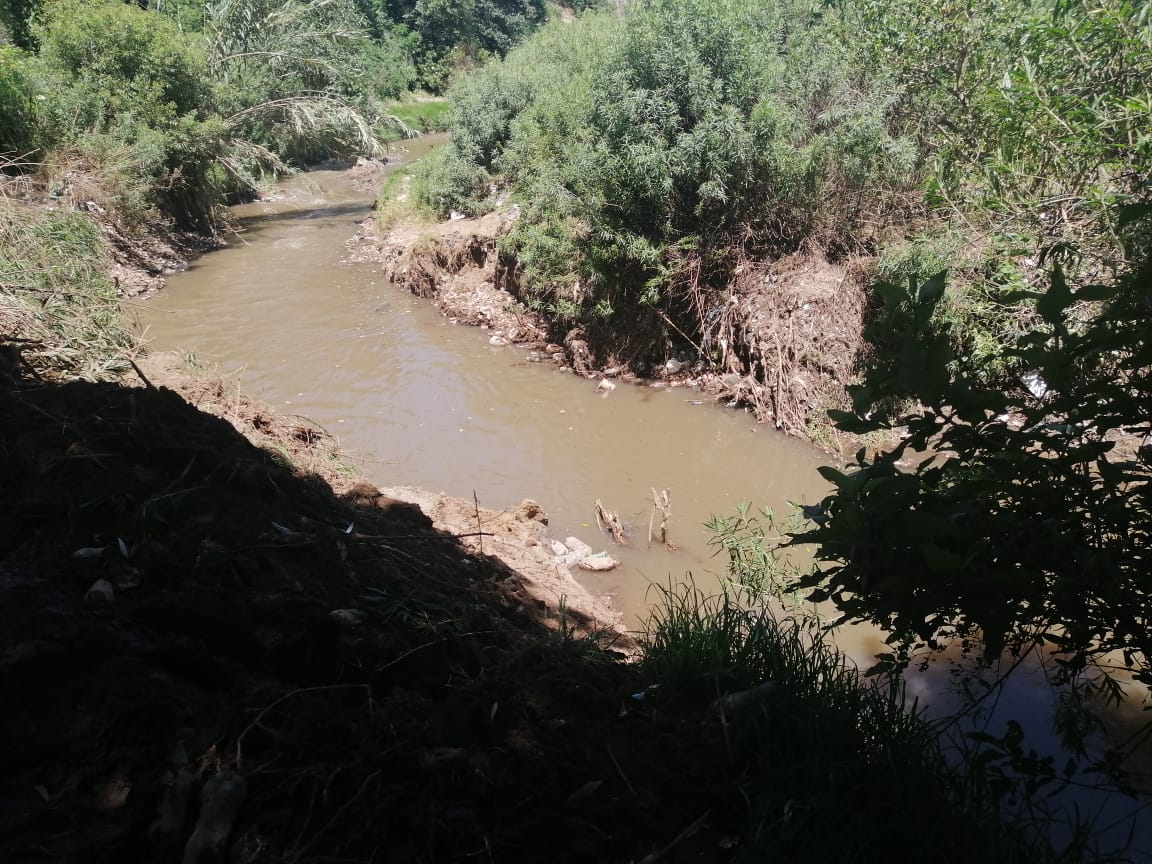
x,y
459,33
17,106
757,563
649,146
122,60
443,182
16,17
286,76
1033,527
57,306
823,758
422,115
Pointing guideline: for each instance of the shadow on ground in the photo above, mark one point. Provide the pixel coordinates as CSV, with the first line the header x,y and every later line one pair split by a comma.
x,y
178,605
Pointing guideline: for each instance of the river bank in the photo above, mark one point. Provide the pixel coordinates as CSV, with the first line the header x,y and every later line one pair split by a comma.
x,y
188,616
789,330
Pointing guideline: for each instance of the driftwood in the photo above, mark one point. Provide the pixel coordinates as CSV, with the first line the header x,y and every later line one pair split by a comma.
x,y
660,502
610,522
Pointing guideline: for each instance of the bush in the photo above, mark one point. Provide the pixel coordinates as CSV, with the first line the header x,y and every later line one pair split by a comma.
x,y
675,139
18,133
1033,530
123,59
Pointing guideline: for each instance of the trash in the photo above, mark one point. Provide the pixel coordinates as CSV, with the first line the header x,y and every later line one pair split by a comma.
x,y
347,618
577,545
220,804
559,549
605,386
599,562
101,593
742,699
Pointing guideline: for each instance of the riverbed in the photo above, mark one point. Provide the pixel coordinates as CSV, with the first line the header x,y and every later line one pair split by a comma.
x,y
416,400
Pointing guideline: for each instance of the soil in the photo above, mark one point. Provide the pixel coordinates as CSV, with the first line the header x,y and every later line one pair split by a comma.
x,y
784,337
180,608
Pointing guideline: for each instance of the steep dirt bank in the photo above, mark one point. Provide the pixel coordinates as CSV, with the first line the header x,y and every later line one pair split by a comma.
x,y
194,633
783,339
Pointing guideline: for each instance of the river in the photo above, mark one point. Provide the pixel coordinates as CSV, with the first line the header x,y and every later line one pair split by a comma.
x,y
418,401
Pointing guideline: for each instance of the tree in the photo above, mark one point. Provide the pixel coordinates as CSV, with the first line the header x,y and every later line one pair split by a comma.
x,y
1029,516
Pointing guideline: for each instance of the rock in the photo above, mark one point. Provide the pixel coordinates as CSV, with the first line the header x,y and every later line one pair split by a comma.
x,y
578,545
102,593
605,386
530,511
497,341
220,804
89,552
599,563
673,366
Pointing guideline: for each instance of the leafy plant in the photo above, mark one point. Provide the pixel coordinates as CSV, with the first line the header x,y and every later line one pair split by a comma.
x,y
1030,526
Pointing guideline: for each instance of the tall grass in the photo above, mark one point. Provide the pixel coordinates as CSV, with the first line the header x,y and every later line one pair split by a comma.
x,y
58,307
831,767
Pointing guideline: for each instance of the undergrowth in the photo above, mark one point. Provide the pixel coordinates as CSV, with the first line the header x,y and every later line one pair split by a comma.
x,y
830,767
58,308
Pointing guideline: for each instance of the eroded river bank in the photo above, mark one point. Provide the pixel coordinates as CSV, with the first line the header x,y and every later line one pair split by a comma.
x,y
420,401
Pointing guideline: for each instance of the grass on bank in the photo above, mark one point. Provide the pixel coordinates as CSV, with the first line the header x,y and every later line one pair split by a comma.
x,y
830,767
58,307
421,114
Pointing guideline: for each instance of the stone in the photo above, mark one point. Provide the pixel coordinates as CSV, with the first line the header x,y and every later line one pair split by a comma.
x,y
530,511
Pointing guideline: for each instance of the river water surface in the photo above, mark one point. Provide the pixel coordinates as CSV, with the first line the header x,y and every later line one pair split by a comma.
x,y
419,401
423,402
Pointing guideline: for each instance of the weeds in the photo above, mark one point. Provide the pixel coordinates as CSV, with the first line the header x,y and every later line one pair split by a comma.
x,y
824,760
57,306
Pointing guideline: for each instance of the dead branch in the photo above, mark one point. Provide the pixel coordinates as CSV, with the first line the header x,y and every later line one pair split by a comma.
x,y
660,501
608,521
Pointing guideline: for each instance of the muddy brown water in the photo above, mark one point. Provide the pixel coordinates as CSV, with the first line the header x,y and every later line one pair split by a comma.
x,y
420,401
423,402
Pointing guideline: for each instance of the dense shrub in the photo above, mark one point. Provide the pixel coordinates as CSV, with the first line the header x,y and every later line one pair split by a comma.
x,y
659,144
17,105
122,60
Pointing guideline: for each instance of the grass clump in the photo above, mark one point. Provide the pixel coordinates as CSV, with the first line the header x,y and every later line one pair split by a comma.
x,y
824,760
58,308
422,114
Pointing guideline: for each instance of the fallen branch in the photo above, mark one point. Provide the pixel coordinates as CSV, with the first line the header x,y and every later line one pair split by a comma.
x,y
610,522
660,502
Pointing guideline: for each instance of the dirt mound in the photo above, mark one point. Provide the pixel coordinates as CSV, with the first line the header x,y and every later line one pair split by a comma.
x,y
194,633
457,264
